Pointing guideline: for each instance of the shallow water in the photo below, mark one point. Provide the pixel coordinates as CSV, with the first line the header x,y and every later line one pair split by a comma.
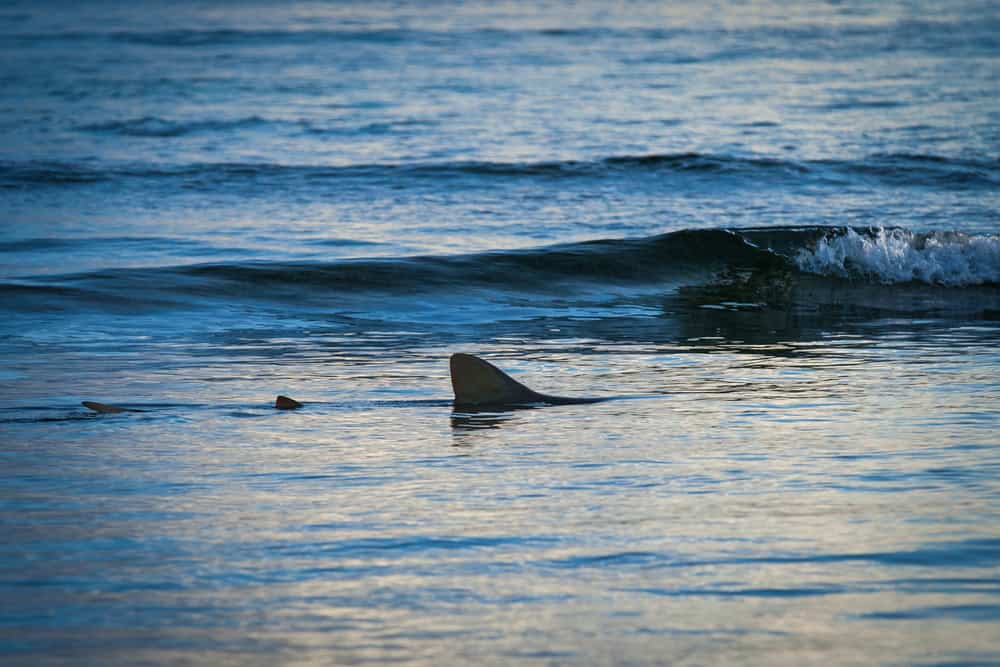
x,y
768,232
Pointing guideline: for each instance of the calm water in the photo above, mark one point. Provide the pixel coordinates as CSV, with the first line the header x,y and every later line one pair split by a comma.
x,y
770,228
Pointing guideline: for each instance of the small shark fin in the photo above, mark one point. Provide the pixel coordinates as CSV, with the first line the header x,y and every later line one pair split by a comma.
x,y
285,403
103,408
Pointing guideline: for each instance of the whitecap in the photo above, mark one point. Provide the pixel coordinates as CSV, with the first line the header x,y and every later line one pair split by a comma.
x,y
898,256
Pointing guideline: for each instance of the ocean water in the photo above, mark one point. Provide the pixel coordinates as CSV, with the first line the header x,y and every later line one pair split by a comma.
x,y
769,230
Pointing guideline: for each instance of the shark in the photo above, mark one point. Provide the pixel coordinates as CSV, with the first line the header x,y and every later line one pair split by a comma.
x,y
477,384
280,403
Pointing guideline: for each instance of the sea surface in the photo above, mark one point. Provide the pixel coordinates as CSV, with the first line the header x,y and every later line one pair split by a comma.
x,y
770,230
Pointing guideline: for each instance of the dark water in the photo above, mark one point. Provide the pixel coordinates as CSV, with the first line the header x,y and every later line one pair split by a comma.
x,y
771,229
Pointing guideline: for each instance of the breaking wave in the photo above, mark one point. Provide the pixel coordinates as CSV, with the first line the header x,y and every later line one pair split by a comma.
x,y
896,255
771,260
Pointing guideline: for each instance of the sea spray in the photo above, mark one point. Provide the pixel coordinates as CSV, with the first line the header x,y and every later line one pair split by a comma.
x,y
899,255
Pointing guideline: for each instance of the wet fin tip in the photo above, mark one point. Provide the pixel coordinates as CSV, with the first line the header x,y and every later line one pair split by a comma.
x,y
286,403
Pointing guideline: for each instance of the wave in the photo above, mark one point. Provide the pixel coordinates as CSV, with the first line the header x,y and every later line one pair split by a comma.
x,y
233,37
154,127
195,38
965,33
17,175
925,169
891,256
756,171
758,266
102,246
124,297
149,126
602,262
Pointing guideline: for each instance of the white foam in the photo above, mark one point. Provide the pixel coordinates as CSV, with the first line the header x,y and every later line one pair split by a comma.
x,y
900,256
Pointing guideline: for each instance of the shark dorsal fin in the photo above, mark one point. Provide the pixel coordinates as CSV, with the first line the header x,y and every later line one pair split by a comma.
x,y
286,403
103,408
478,382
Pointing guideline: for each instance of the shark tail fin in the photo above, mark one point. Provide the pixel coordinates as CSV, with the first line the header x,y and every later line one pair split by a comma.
x,y
478,382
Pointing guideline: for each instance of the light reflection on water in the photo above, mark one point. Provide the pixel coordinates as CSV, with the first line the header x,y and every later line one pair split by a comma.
x,y
756,503
208,204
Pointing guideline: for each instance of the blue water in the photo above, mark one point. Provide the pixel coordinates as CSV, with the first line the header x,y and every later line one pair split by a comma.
x,y
769,229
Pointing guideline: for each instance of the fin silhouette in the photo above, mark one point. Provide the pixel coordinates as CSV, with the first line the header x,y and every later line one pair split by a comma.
x,y
478,382
104,408
285,403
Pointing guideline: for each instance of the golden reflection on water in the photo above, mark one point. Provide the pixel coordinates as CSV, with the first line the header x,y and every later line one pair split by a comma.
x,y
745,502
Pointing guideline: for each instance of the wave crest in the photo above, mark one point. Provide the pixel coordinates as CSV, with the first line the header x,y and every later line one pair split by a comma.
x,y
151,126
735,170
897,255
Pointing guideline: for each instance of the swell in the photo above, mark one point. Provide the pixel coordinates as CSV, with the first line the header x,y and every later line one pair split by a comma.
x,y
124,297
107,244
960,33
891,169
153,127
897,260
563,268
603,262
